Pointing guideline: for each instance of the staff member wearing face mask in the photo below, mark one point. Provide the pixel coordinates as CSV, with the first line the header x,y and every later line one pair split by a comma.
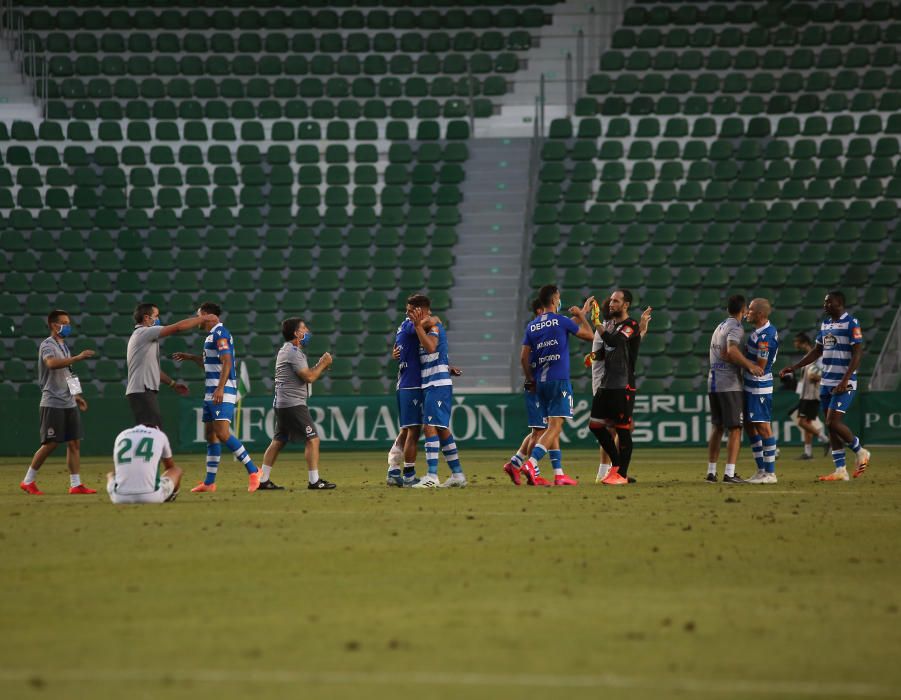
x,y
293,423
61,400
143,358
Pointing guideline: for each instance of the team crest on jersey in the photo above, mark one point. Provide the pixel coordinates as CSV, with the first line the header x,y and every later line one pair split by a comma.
x,y
627,331
829,341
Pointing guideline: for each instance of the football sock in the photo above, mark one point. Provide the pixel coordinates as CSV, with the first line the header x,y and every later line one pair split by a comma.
x,y
605,440
730,470
267,470
808,449
30,476
838,456
757,452
517,459
395,455
556,461
409,469
213,455
538,453
237,447
603,469
432,445
711,468
313,475
769,454
74,480
855,445
449,448
625,450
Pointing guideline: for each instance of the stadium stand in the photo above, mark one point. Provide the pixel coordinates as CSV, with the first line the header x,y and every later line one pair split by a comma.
x,y
749,147
179,134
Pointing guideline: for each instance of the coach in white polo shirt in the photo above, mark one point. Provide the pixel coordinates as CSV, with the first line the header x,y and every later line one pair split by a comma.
x,y
143,357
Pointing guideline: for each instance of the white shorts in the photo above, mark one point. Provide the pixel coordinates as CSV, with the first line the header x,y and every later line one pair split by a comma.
x,y
162,494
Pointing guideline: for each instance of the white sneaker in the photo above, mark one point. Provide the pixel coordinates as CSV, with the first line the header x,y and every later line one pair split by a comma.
x,y
457,480
429,481
759,477
769,479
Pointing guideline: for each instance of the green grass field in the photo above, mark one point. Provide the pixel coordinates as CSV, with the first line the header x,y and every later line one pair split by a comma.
x,y
668,588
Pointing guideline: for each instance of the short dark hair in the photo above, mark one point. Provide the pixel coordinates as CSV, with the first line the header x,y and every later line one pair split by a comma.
x,y
838,296
289,327
627,295
803,338
142,310
419,301
735,304
546,293
54,315
535,305
209,307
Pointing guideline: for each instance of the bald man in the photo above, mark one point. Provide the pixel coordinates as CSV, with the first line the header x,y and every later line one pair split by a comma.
x,y
761,349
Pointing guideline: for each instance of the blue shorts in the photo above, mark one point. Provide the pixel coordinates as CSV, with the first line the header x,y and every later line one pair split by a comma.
x,y
758,408
409,407
556,398
218,411
536,416
436,406
840,403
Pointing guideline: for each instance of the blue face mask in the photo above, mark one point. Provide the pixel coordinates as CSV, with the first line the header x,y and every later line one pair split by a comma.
x,y
306,338
65,330
157,322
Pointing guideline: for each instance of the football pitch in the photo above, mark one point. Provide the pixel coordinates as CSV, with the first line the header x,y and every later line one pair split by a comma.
x,y
671,587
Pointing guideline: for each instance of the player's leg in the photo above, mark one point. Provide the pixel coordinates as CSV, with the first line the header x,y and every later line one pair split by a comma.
x,y
73,464
752,419
311,454
808,433
111,485
514,464
713,451
549,440
733,445
765,431
716,436
731,403
396,459
432,449
222,428
213,452
411,448
269,456
29,484
835,420
174,475
451,456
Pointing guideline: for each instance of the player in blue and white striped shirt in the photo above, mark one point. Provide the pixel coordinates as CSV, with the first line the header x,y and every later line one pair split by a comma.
x,y
762,348
437,397
220,397
839,343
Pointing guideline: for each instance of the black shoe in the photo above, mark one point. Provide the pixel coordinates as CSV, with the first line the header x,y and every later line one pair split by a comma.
x,y
733,480
711,478
805,456
269,485
631,479
321,485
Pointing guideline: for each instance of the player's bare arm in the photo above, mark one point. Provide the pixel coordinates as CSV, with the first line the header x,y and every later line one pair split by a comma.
x,y
311,374
188,323
81,403
395,352
815,354
524,361
856,357
422,323
179,388
644,322
455,371
735,356
60,362
219,393
187,357
584,332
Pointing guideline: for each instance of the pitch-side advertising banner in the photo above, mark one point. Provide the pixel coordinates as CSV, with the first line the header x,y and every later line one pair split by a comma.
x,y
479,420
